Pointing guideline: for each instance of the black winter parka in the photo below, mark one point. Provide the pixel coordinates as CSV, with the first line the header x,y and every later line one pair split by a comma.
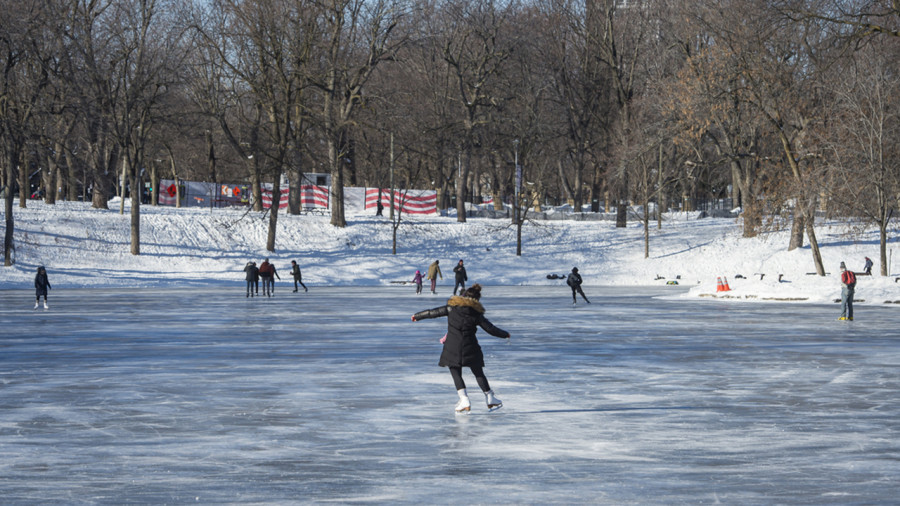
x,y
464,316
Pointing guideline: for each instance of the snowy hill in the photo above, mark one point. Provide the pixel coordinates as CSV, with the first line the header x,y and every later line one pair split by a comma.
x,y
84,247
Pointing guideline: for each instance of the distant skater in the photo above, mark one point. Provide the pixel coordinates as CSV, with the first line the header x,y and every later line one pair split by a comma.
x,y
434,270
848,288
461,349
868,267
574,280
298,277
417,279
41,285
461,277
268,274
252,279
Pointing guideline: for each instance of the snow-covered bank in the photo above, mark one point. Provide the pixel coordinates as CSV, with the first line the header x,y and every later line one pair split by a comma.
x,y
84,247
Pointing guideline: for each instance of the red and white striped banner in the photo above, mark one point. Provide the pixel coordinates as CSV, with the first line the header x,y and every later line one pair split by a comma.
x,y
408,201
312,196
267,197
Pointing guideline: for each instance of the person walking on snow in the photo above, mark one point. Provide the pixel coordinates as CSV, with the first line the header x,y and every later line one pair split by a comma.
x,y
417,279
574,280
848,288
461,349
252,279
868,267
434,270
461,277
298,277
41,285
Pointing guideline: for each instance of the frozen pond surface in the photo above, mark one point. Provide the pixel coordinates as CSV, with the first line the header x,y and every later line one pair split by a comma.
x,y
204,396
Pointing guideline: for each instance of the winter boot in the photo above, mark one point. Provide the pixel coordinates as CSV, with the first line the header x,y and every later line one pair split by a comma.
x,y
492,402
463,406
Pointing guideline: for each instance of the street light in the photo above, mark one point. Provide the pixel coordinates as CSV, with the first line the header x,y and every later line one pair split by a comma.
x,y
518,177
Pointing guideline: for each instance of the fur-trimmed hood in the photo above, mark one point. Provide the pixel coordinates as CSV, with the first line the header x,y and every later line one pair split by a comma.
x,y
458,301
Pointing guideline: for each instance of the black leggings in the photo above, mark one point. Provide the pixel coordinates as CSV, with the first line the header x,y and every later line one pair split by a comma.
x,y
577,288
456,374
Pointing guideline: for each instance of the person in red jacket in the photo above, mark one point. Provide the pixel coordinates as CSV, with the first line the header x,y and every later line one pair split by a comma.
x,y
848,288
268,274
461,349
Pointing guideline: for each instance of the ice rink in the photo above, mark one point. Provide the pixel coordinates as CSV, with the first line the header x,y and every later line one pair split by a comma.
x,y
334,396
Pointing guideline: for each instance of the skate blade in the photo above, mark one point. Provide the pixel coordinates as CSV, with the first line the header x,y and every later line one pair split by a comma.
x,y
463,411
495,407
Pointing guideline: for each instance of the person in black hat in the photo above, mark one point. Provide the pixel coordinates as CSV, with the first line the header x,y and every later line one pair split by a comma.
x,y
41,285
461,277
574,281
252,279
298,276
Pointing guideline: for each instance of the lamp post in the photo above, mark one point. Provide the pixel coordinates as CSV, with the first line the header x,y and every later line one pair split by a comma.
x,y
518,178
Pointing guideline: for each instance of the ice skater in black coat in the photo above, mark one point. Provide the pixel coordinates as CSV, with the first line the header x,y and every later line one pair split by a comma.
x,y
41,285
252,279
461,349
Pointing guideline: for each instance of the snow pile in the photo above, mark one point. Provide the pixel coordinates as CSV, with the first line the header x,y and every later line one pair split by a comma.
x,y
85,247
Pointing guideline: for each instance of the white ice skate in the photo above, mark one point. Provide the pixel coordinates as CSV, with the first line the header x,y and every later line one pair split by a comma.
x,y
493,403
45,305
36,304
463,406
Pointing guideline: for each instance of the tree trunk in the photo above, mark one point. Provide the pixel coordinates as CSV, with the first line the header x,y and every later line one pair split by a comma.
x,y
8,245
646,221
814,245
24,176
461,177
336,200
294,191
135,211
273,211
622,214
797,228
71,187
154,185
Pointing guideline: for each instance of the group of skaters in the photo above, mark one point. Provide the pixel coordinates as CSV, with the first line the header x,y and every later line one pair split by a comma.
x,y
574,280
267,273
434,272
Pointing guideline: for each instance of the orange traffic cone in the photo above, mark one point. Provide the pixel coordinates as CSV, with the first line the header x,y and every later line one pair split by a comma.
x,y
726,288
719,286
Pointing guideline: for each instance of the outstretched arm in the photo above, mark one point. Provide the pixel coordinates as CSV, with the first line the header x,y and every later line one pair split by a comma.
x,y
493,330
437,312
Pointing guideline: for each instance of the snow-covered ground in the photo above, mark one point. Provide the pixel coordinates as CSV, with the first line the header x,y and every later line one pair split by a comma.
x,y
84,247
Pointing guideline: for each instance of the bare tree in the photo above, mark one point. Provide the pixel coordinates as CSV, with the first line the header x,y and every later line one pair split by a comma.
x,y
358,36
859,20
863,138
23,81
476,50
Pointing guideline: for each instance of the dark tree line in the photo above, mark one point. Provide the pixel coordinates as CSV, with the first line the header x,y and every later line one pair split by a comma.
x,y
788,108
